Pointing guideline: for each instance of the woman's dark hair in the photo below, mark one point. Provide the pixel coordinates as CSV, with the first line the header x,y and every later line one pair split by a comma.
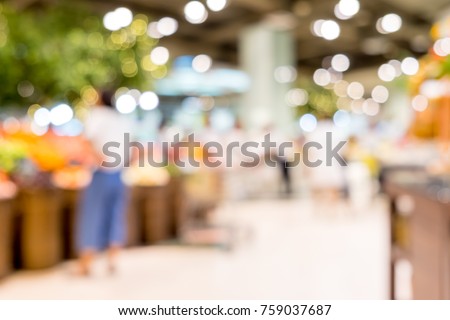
x,y
107,98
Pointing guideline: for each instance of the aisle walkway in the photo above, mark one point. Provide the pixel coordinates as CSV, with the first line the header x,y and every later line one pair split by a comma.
x,y
292,249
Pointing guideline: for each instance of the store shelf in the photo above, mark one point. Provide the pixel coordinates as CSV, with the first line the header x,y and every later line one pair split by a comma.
x,y
428,243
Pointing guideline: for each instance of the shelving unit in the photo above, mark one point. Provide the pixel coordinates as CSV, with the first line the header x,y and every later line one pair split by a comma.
x,y
420,233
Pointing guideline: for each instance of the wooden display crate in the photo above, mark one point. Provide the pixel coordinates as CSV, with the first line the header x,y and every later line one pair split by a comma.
x,y
135,229
156,218
41,242
6,237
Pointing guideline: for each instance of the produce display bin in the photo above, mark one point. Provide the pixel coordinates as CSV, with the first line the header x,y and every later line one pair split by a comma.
x,y
134,217
41,242
46,221
69,209
156,216
6,237
177,205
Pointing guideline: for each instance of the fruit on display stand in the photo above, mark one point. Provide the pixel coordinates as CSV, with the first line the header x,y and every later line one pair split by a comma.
x,y
46,161
7,188
41,150
145,176
11,153
173,170
431,84
71,178
76,150
46,156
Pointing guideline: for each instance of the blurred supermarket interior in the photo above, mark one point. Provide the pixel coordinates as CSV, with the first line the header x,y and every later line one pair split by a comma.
x,y
373,74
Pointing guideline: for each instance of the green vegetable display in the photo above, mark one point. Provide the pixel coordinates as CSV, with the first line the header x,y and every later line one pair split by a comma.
x,y
11,154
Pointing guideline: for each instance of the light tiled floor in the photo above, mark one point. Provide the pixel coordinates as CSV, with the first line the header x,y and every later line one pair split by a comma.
x,y
283,249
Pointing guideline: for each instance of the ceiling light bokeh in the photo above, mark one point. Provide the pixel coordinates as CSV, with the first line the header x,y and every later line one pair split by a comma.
x,y
160,55
167,26
216,5
195,12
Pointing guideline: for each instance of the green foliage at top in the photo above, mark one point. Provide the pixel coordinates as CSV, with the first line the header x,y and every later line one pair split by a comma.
x,y
58,50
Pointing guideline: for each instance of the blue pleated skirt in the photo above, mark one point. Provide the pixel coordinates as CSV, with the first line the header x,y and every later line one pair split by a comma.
x,y
102,210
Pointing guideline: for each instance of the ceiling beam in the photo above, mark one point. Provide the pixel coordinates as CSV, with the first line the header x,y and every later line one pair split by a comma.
x,y
260,6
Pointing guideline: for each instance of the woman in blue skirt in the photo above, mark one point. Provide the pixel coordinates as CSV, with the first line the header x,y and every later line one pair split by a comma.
x,y
101,216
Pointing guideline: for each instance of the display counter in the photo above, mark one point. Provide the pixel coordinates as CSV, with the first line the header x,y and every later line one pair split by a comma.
x,y
69,221
38,226
41,236
420,229
6,237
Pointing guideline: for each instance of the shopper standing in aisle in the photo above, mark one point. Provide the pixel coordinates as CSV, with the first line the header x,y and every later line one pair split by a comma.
x,y
101,216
